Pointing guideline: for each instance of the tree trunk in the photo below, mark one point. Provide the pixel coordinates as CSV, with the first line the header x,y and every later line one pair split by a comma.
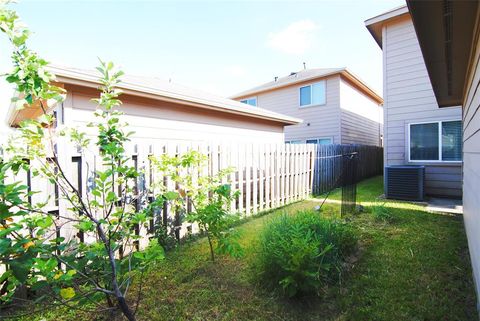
x,y
212,254
122,304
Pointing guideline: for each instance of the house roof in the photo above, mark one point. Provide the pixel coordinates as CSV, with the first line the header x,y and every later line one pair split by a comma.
x,y
158,89
375,24
446,35
306,75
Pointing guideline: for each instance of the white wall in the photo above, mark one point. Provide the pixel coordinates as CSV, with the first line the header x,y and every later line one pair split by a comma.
x,y
5,131
471,166
409,97
152,120
362,117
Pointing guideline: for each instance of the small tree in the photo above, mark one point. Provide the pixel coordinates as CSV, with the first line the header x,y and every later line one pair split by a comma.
x,y
209,195
60,268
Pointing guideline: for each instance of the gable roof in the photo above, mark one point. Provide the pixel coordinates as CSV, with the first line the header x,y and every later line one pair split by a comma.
x,y
375,24
310,74
158,89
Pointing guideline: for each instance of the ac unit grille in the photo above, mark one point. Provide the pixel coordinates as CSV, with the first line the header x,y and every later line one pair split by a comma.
x,y
405,182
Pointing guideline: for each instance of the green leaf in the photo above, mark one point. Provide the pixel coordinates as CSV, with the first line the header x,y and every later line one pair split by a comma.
x,y
67,293
4,245
111,197
170,196
45,222
85,226
21,268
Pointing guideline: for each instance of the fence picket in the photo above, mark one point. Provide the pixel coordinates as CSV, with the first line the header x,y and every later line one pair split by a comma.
x,y
266,176
248,181
255,179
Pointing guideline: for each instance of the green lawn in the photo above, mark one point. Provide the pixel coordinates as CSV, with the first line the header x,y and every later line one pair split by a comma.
x,y
414,268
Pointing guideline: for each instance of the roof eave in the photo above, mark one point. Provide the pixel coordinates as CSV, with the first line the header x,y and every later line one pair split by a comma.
x,y
375,24
376,33
366,89
94,83
253,92
344,72
447,66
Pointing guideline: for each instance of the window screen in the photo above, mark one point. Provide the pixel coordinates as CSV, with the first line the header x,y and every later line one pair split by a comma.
x,y
424,142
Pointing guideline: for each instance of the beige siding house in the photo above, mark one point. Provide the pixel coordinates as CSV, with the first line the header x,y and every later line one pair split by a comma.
x,y
158,110
414,125
337,108
449,35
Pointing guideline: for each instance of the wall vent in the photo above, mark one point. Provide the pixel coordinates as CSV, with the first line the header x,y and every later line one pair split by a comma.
x,y
405,182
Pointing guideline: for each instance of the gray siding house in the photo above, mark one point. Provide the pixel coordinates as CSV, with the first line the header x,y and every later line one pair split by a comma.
x,y
336,106
416,130
449,35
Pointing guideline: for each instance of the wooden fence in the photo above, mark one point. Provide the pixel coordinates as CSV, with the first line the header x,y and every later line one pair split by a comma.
x,y
328,165
266,176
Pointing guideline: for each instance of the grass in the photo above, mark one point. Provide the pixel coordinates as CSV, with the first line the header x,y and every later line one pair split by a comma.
x,y
414,267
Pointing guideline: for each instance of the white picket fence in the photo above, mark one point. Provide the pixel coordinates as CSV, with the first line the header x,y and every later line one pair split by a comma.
x,y
266,177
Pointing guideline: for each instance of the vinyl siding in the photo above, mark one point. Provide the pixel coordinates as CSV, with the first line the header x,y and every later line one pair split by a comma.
x,y
152,120
471,167
361,117
409,98
318,121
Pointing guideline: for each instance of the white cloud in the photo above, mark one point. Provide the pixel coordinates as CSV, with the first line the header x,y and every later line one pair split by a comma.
x,y
295,39
235,71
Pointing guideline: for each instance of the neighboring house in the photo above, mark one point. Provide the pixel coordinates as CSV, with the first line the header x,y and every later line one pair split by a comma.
x,y
416,131
158,110
336,106
449,35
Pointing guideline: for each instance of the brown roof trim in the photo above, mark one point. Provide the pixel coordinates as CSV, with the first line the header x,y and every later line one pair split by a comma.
x,y
220,104
375,24
129,91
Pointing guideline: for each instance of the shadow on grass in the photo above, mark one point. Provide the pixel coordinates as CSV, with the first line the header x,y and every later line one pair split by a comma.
x,y
413,268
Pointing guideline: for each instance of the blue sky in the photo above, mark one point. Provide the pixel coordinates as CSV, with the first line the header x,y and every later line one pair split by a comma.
x,y
219,46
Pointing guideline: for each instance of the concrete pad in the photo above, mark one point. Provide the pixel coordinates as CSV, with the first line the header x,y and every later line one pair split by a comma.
x,y
445,205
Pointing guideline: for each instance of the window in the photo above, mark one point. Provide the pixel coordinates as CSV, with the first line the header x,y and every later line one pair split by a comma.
x,y
250,101
313,94
321,141
452,141
293,142
437,141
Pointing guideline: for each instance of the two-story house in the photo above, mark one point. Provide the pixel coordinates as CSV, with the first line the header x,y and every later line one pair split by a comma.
x,y
416,130
336,106
449,36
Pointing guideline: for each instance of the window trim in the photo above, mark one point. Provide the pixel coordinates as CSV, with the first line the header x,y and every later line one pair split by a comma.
x,y
319,138
247,99
311,94
295,141
440,143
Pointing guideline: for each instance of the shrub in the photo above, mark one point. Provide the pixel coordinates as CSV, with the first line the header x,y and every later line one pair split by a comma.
x,y
298,254
381,213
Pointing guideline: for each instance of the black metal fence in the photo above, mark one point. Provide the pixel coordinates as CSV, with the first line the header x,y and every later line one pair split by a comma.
x,y
329,172
349,182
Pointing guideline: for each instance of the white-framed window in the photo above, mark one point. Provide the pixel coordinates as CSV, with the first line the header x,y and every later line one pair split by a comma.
x,y
321,141
312,95
439,141
252,101
293,142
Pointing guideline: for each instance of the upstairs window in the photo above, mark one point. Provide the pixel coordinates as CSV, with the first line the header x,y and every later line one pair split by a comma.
x,y
250,101
436,142
313,94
